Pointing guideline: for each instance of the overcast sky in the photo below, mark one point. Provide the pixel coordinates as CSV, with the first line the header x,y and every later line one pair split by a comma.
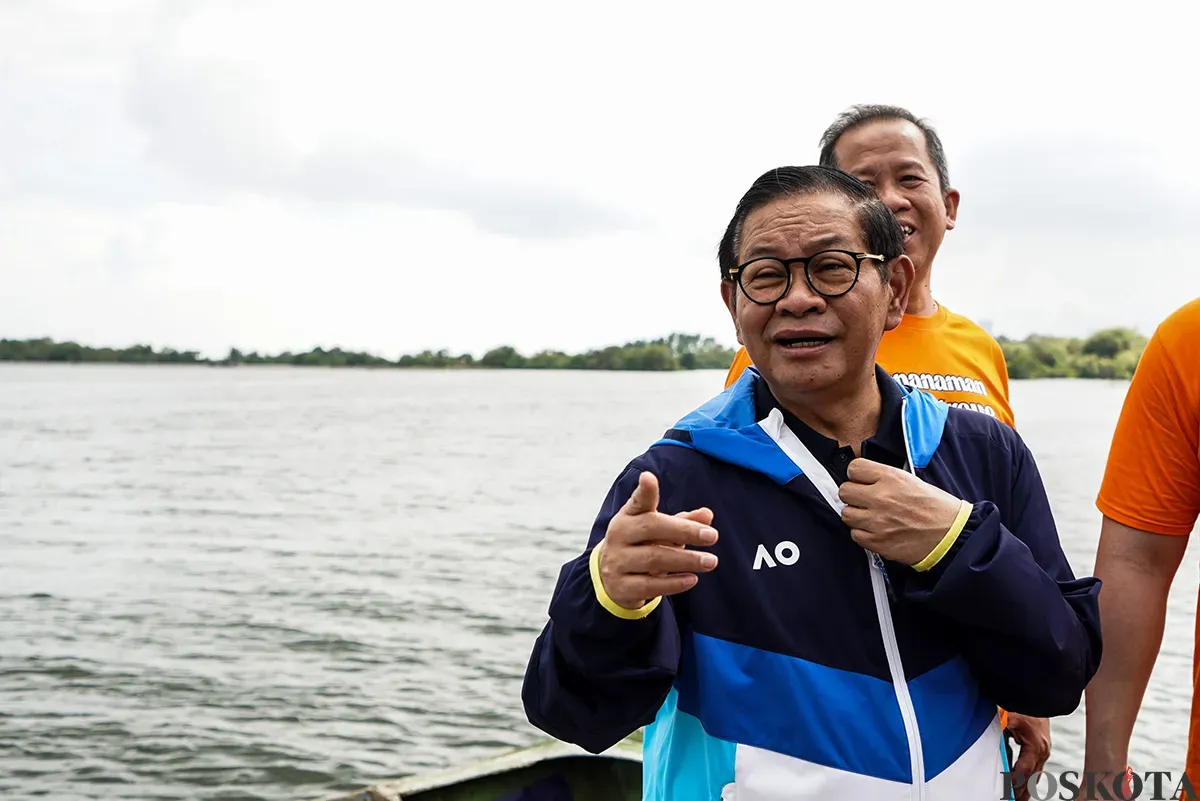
x,y
395,176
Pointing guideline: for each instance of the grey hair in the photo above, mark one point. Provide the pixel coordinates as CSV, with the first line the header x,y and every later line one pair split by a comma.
x,y
861,114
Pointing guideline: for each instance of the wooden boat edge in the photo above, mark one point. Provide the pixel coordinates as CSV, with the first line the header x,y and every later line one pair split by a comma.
x,y
629,749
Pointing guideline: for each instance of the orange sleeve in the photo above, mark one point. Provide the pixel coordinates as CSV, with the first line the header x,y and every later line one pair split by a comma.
x,y
1152,478
740,362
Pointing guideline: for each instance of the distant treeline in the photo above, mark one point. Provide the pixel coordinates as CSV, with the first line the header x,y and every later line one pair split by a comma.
x,y
675,352
1112,353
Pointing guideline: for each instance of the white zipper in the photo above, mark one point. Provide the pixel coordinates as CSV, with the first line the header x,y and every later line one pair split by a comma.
x,y
892,648
791,445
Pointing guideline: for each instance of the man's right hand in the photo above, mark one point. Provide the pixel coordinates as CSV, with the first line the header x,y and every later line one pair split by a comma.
x,y
645,551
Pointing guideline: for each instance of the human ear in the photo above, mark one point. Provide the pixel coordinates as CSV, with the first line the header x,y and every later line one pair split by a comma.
x,y
900,282
729,295
951,200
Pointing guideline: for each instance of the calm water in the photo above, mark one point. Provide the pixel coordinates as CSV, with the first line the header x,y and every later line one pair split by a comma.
x,y
276,583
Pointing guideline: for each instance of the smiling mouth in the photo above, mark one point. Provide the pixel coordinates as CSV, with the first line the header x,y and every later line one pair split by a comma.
x,y
908,231
807,342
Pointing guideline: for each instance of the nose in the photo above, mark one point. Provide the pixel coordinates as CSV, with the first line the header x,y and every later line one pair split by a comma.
x,y
800,298
891,195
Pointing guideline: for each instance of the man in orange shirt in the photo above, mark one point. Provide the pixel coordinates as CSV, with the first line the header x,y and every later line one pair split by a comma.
x,y
1150,501
932,349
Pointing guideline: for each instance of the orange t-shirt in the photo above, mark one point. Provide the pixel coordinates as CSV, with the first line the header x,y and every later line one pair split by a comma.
x,y
1152,477
946,354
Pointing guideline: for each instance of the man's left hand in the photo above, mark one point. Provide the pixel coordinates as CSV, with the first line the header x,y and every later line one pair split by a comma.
x,y
1033,735
893,513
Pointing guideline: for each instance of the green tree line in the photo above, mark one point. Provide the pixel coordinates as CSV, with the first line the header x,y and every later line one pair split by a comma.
x,y
1112,353
675,352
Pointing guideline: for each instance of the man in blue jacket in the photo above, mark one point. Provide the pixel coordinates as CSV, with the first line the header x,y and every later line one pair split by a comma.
x,y
880,556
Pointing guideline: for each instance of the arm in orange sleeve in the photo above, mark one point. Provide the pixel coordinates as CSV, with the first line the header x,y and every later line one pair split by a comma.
x,y
1152,478
1137,569
1151,487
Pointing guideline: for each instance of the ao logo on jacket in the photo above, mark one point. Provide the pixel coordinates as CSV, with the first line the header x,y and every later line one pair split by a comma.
x,y
786,553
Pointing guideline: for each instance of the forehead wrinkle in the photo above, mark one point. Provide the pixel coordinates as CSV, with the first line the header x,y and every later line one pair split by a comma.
x,y
776,245
775,222
883,138
782,235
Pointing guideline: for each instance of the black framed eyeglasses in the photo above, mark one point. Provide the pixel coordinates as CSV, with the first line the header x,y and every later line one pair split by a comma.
x,y
830,273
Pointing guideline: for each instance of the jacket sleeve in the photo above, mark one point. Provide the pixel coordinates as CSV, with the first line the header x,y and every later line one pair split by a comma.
x,y
594,678
1029,628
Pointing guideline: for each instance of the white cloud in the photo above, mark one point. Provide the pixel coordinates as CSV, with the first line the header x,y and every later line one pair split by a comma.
x,y
276,175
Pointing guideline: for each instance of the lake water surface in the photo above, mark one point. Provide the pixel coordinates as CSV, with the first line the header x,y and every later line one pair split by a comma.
x,y
276,583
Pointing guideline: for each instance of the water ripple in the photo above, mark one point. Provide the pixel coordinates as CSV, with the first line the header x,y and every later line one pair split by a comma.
x,y
270,584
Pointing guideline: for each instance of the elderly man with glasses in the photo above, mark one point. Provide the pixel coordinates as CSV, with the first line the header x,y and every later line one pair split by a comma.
x,y
933,349
809,587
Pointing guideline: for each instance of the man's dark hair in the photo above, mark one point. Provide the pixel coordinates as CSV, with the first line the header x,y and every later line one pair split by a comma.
x,y
862,114
879,226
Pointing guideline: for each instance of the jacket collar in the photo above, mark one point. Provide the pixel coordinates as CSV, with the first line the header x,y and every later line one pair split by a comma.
x,y
886,445
727,427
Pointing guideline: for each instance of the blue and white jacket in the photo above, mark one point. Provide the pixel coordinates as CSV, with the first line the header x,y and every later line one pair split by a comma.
x,y
803,667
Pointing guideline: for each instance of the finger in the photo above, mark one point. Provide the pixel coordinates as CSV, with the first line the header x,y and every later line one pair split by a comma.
x,y
659,559
1030,761
1040,749
864,471
1026,763
663,559
1023,766
864,538
672,530
853,494
856,518
645,495
654,586
703,515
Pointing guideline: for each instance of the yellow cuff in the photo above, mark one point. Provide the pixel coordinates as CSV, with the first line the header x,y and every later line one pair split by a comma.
x,y
935,556
609,603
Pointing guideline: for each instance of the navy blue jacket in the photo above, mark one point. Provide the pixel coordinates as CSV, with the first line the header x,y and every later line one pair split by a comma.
x,y
802,667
